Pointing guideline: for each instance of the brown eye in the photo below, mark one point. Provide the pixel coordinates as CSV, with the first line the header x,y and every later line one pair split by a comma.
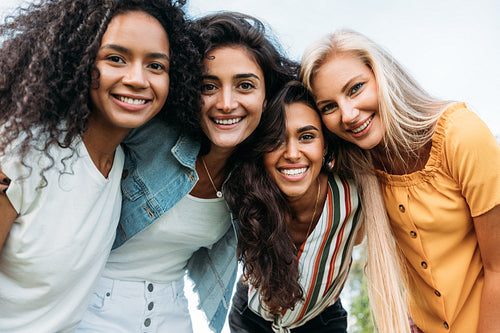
x,y
157,66
116,59
208,87
246,86
329,108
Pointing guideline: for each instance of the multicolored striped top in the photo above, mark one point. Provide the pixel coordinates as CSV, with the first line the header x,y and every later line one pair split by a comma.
x,y
324,259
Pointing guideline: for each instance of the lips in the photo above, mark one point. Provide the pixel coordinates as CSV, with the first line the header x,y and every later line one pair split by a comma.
x,y
363,125
293,172
131,100
230,121
130,103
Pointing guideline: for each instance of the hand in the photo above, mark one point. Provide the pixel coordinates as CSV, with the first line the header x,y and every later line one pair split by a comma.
x,y
4,183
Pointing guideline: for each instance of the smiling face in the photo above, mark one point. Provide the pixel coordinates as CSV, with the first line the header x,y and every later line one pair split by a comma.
x,y
133,64
345,92
233,95
296,164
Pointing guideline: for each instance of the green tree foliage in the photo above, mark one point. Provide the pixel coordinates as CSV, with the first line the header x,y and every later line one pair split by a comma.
x,y
360,316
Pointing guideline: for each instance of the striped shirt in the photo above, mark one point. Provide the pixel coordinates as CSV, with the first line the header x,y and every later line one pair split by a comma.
x,y
324,259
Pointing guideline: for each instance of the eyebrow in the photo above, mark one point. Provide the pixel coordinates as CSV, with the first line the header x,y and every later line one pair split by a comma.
x,y
343,90
237,76
246,75
122,49
348,83
307,128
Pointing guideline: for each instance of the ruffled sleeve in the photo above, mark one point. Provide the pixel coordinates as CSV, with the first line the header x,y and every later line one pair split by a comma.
x,y
472,156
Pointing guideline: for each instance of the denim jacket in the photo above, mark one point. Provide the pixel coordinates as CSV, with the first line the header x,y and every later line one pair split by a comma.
x,y
160,170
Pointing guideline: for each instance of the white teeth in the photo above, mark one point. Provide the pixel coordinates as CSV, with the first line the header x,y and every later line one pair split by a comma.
x,y
293,172
227,121
132,100
362,127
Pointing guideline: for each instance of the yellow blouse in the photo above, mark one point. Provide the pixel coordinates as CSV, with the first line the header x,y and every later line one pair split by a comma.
x,y
431,214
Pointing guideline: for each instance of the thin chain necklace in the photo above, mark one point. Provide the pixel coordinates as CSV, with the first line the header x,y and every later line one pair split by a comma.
x,y
217,192
312,217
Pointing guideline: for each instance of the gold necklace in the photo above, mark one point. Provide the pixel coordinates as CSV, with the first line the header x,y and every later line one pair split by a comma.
x,y
217,192
312,217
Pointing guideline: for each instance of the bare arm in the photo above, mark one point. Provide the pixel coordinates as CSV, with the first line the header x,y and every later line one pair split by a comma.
x,y
7,216
4,183
361,234
488,235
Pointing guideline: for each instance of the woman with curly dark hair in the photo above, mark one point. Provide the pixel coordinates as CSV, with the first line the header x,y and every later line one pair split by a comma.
x,y
75,77
298,223
174,216
299,219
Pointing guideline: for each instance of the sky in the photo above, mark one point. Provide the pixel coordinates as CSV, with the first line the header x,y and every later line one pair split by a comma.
x,y
452,47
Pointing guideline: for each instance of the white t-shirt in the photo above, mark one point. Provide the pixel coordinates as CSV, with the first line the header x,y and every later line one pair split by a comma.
x,y
160,252
60,241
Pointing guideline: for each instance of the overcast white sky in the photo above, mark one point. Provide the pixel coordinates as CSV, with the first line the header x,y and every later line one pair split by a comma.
x,y
452,47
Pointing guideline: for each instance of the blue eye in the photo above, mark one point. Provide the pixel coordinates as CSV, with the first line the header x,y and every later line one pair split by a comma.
x,y
356,88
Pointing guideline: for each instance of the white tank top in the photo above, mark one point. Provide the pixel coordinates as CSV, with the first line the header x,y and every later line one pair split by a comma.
x,y
160,252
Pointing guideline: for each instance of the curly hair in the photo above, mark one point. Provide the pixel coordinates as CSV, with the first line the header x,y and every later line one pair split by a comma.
x,y
47,65
264,240
236,29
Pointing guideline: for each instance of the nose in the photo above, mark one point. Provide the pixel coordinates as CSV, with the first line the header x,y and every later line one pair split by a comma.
x,y
349,112
226,100
135,76
292,151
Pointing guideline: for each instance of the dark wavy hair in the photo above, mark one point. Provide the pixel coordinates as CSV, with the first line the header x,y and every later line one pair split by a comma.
x,y
47,64
236,29
264,242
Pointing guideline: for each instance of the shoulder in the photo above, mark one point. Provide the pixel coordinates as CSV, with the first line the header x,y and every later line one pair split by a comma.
x,y
157,138
341,182
343,189
149,133
458,127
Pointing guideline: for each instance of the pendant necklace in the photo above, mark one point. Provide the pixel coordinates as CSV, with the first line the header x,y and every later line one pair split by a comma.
x,y
312,217
217,192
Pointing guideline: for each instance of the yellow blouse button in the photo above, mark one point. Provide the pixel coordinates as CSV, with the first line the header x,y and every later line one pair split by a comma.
x,y
437,293
445,324
423,264
402,208
413,234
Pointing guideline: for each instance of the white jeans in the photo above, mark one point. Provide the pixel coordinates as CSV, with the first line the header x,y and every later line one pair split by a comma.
x,y
132,306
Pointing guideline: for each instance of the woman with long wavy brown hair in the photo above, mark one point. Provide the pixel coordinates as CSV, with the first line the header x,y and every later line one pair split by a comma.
x,y
298,224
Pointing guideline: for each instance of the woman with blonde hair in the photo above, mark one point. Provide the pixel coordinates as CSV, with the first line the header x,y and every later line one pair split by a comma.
x,y
437,164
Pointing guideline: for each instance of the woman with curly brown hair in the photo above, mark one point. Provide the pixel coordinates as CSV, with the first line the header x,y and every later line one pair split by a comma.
x,y
298,224
75,78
